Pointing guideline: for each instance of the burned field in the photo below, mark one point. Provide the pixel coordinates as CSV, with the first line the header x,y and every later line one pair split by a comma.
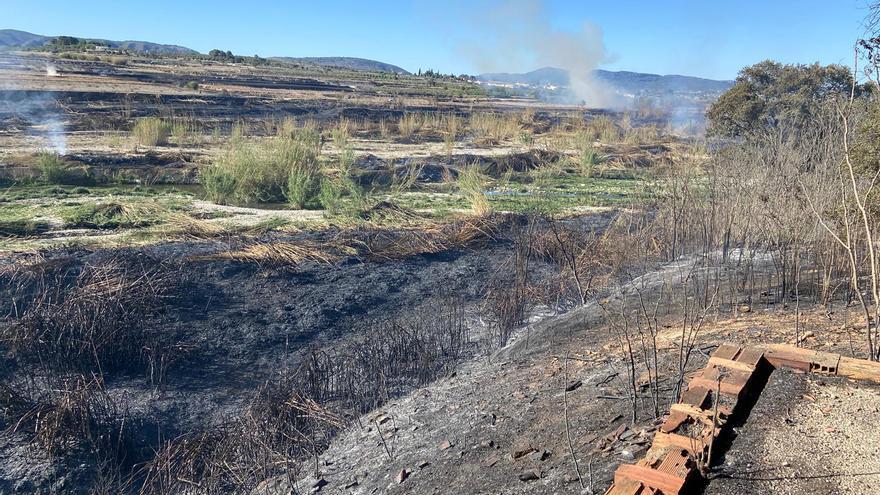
x,y
280,277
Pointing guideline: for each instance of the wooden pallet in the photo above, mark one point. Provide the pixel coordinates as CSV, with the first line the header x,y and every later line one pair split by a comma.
x,y
669,467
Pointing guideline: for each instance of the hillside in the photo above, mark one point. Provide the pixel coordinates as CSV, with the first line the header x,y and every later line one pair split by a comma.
x,y
622,81
353,63
11,38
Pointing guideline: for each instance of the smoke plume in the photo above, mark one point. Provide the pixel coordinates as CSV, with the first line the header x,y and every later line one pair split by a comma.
x,y
38,110
520,37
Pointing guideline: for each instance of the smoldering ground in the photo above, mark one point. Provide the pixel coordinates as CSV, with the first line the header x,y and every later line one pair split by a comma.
x,y
36,111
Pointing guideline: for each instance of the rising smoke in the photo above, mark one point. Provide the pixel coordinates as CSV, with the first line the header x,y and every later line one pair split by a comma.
x,y
37,110
520,37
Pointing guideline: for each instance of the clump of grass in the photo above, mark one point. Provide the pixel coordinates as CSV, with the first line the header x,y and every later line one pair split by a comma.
x,y
87,318
151,131
604,129
409,124
589,157
285,168
491,128
111,215
53,168
452,124
471,185
184,130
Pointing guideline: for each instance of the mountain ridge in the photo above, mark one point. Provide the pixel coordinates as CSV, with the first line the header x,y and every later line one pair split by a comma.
x,y
14,38
628,81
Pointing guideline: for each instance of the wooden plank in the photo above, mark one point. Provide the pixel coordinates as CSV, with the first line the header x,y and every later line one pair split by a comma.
x,y
859,369
667,483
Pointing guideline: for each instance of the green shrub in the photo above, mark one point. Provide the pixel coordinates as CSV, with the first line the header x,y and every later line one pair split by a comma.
x,y
219,183
151,131
193,85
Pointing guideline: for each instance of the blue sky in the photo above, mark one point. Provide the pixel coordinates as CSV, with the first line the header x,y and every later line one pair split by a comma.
x,y
702,38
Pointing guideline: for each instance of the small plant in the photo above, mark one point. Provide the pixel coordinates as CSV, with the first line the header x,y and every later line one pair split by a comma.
x,y
285,168
183,130
490,128
193,85
409,124
52,167
452,125
151,131
471,183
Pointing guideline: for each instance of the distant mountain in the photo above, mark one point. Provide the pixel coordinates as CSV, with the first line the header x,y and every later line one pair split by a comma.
x,y
11,38
632,83
346,63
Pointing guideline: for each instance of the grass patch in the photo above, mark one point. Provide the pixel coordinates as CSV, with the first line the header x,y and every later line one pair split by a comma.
x,y
285,168
111,216
151,131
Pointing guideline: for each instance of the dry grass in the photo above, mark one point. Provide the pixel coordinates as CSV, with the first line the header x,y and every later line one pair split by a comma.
x,y
86,318
409,124
151,131
395,245
491,128
277,254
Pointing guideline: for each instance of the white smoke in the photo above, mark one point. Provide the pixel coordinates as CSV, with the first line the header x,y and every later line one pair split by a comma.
x,y
521,38
37,109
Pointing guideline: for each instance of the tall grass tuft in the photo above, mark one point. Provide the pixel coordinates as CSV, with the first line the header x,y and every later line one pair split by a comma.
x,y
471,185
409,124
151,131
285,168
490,128
52,167
452,125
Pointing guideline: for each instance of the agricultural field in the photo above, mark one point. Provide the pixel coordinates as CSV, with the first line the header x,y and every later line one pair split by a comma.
x,y
229,274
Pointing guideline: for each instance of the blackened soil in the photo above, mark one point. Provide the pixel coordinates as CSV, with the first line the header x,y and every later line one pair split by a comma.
x,y
240,323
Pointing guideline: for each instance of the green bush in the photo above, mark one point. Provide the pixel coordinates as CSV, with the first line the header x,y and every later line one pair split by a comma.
x,y
52,167
282,169
151,131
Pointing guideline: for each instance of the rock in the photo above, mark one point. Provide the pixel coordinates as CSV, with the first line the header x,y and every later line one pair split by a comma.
x,y
487,444
530,475
424,464
446,444
744,308
539,456
351,484
627,455
321,483
516,453
402,475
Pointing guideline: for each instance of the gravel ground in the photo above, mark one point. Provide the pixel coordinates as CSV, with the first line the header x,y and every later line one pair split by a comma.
x,y
806,435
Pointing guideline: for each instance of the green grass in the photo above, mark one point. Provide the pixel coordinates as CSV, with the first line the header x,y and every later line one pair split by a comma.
x,y
151,131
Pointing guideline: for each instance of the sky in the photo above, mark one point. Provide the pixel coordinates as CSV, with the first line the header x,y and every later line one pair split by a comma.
x,y
705,38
